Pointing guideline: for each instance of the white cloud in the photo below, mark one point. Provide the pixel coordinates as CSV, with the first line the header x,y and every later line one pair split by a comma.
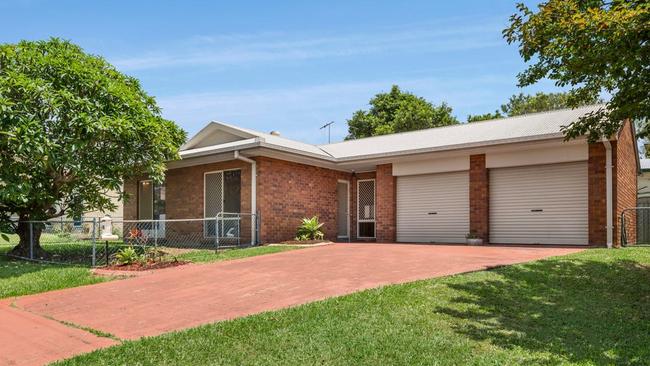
x,y
225,50
299,112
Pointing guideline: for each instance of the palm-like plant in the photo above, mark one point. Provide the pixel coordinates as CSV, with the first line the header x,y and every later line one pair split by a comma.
x,y
310,229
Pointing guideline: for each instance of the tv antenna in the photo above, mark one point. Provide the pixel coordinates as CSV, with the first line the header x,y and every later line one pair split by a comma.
x,y
329,134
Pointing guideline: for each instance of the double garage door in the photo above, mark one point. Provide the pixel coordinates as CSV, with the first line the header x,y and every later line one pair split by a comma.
x,y
540,204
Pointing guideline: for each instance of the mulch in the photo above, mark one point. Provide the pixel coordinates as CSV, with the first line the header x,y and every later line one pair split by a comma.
x,y
146,266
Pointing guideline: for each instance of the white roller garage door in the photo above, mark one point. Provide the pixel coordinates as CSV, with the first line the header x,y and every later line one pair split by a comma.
x,y
433,208
541,204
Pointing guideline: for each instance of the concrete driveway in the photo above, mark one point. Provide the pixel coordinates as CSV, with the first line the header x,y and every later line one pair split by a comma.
x,y
188,296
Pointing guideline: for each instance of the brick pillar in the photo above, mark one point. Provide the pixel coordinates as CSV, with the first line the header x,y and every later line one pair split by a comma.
x,y
479,199
597,195
385,227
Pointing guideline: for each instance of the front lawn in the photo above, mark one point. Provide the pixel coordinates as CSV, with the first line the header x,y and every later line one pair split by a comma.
x,y
589,308
20,277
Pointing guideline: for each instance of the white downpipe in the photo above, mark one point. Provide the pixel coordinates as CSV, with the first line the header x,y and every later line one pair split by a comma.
x,y
609,194
253,164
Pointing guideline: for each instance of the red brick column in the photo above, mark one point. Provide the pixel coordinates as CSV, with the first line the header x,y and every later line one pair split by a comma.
x,y
385,227
479,198
597,195
625,164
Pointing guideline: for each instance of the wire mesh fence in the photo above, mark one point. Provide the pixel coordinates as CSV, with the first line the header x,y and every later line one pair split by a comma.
x,y
95,242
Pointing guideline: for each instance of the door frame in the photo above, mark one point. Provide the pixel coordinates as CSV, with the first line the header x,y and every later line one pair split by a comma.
x,y
347,204
374,209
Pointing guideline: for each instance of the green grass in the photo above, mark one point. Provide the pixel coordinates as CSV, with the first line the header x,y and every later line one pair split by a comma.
x,y
590,308
228,254
18,277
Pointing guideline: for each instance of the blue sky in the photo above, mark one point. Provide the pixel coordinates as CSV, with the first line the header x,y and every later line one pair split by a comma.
x,y
288,66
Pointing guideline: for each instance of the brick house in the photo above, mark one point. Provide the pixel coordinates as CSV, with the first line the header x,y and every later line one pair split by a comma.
x,y
508,181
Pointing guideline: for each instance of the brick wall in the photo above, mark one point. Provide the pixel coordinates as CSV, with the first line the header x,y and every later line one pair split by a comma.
x,y
288,192
626,180
479,198
624,186
184,190
353,197
386,194
597,195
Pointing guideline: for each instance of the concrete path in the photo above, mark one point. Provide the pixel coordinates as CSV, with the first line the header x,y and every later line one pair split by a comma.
x,y
188,296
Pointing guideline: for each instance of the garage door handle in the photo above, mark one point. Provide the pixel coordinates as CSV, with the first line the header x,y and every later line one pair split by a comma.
x,y
537,210
432,213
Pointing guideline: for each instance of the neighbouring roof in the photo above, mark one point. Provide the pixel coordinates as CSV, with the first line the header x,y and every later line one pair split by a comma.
x,y
530,127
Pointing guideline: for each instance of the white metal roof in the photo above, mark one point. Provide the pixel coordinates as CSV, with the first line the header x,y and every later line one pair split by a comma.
x,y
530,127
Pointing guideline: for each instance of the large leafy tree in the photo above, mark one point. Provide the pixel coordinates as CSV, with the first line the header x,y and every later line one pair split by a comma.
x,y
521,103
398,111
71,129
591,46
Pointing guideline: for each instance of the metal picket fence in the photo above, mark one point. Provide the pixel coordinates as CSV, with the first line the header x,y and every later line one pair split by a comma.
x,y
94,242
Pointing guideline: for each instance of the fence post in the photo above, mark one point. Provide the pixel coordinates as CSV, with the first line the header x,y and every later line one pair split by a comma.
x,y
106,251
94,239
31,240
155,234
216,233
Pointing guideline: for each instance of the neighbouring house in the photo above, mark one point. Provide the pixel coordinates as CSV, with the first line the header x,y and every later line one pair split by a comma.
x,y
508,181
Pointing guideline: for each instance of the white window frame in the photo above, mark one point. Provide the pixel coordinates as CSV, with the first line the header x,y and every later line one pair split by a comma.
x,y
222,171
347,198
374,209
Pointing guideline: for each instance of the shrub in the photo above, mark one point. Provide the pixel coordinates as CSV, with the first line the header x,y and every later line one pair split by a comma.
x,y
309,229
127,256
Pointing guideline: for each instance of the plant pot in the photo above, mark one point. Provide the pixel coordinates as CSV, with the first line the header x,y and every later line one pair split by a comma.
x,y
475,241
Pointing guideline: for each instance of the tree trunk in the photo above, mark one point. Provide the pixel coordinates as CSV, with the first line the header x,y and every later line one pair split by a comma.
x,y
28,247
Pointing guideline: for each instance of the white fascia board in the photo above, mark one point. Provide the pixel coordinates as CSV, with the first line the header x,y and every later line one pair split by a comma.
x,y
537,156
216,149
429,166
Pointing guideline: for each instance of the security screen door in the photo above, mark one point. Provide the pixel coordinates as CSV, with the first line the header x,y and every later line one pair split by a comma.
x,y
222,194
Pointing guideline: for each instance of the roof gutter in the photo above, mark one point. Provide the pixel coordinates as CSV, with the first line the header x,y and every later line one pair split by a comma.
x,y
253,164
609,193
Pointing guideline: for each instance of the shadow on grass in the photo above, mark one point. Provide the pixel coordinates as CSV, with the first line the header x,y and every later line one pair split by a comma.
x,y
580,310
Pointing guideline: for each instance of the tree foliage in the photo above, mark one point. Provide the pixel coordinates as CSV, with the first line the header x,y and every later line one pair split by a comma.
x,y
521,103
591,46
71,129
484,117
398,111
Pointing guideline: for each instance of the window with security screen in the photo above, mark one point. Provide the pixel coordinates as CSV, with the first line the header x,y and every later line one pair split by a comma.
x,y
366,208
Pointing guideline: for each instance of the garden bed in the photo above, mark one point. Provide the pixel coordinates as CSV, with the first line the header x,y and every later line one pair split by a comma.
x,y
303,243
145,266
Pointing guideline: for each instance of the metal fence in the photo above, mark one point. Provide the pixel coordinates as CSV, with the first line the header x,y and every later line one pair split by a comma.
x,y
94,242
635,225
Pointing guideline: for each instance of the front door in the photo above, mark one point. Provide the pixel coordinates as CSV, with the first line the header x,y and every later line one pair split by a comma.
x,y
222,196
343,212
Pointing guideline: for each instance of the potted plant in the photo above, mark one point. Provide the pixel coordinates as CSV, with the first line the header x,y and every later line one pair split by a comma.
x,y
473,239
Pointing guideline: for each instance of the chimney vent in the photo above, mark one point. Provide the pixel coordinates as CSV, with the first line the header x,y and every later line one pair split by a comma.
x,y
275,133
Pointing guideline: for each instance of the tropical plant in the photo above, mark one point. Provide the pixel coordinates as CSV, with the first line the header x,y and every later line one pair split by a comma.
x,y
310,229
128,255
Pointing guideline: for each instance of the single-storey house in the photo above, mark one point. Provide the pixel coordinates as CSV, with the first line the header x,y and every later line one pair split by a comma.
x,y
508,181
